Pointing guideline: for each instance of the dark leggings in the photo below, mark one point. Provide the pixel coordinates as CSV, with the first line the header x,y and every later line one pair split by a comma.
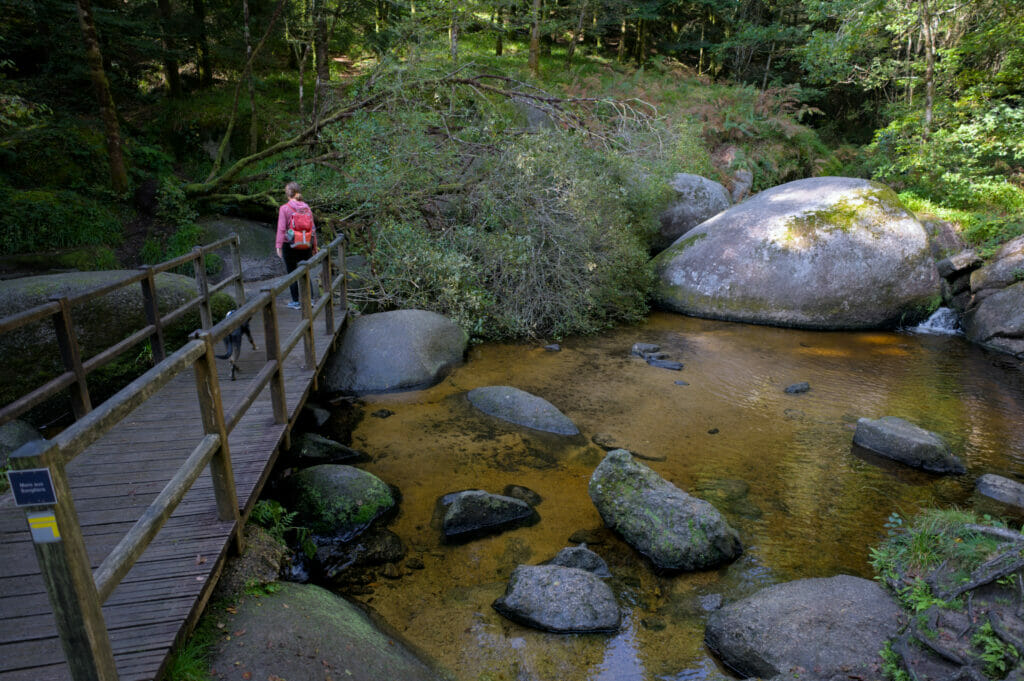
x,y
292,258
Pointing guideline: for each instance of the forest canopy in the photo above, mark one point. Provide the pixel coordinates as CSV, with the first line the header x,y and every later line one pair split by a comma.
x,y
481,154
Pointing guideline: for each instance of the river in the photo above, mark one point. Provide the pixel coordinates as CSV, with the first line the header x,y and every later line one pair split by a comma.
x,y
779,466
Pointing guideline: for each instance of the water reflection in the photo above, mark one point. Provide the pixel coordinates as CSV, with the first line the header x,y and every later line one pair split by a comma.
x,y
780,467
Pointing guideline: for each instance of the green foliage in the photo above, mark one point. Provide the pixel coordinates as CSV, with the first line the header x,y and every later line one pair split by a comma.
x,y
279,524
935,537
892,666
44,219
999,657
173,207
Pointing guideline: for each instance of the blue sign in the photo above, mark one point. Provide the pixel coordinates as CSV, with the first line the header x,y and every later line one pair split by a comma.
x,y
32,487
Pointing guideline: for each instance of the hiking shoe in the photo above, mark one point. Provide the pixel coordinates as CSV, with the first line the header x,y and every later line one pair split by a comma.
x,y
295,305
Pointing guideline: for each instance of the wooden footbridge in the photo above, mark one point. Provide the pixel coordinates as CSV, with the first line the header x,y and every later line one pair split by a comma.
x,y
127,516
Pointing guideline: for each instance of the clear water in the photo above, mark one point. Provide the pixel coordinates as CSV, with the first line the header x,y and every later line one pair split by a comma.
x,y
780,467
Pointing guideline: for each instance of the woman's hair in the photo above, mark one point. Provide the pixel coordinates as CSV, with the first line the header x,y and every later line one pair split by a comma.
x,y
291,189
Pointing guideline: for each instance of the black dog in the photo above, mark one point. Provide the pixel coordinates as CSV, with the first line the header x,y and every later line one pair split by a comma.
x,y
233,343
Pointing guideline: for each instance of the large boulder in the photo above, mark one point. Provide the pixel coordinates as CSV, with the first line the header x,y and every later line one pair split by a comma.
x,y
338,501
564,600
395,351
820,253
1001,489
520,407
29,356
902,441
256,247
698,199
1003,269
306,632
829,629
997,321
673,529
13,435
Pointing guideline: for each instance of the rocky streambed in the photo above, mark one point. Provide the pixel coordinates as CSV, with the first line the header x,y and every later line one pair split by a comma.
x,y
779,466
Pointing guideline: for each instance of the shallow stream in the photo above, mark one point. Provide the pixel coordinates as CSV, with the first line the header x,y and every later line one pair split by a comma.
x,y
779,466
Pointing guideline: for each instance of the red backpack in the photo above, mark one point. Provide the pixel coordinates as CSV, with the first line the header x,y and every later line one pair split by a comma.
x,y
300,228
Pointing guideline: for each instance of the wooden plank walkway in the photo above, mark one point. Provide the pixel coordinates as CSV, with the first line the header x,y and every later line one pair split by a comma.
x,y
114,481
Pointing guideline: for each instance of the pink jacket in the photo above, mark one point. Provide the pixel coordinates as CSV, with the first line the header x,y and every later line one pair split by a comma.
x,y
284,216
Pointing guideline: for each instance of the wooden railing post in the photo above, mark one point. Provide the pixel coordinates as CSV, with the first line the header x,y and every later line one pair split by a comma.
x,y
149,303
72,358
343,270
325,286
211,407
60,549
203,282
305,290
236,264
272,340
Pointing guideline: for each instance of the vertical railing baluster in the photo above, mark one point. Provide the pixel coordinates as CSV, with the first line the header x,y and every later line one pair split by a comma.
x,y
272,340
309,348
152,309
211,407
71,356
64,562
203,282
327,290
236,262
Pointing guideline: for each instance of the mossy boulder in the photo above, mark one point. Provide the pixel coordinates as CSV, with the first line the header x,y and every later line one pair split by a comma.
x,y
30,356
674,530
819,253
256,247
13,435
338,502
520,407
395,351
306,632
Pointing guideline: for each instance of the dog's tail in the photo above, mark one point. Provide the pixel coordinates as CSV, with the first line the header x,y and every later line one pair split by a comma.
x,y
224,356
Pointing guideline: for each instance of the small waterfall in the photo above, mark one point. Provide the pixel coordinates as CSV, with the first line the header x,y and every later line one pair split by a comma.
x,y
943,321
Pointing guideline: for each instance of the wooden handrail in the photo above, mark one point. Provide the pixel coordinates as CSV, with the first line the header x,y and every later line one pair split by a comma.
x,y
76,593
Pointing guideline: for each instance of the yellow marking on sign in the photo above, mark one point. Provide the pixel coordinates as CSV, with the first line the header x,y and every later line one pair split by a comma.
x,y
44,522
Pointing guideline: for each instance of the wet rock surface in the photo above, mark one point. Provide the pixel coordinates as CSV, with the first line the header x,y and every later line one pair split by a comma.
x,y
311,448
471,514
902,441
818,628
520,407
338,502
559,599
674,530
582,558
1001,489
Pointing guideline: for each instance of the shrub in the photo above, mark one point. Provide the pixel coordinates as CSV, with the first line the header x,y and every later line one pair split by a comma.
x,y
43,220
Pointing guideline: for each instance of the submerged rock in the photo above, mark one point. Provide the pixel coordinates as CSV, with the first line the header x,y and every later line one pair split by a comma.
x,y
820,253
395,351
338,501
521,493
820,628
673,529
473,513
902,441
1001,489
310,447
797,388
559,599
582,558
644,349
665,364
520,407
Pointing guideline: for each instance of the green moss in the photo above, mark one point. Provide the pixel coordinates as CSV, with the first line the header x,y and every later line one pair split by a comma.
x,y
844,215
681,246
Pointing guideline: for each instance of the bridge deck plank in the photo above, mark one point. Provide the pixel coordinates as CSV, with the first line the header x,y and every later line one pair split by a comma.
x,y
112,483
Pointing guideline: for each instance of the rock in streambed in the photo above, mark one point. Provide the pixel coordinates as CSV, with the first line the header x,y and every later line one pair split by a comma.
x,y
902,441
564,600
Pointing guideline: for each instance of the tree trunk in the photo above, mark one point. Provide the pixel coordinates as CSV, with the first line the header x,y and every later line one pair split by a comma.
x,y
321,53
202,44
534,59
499,46
108,112
453,34
253,134
577,34
929,69
170,62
